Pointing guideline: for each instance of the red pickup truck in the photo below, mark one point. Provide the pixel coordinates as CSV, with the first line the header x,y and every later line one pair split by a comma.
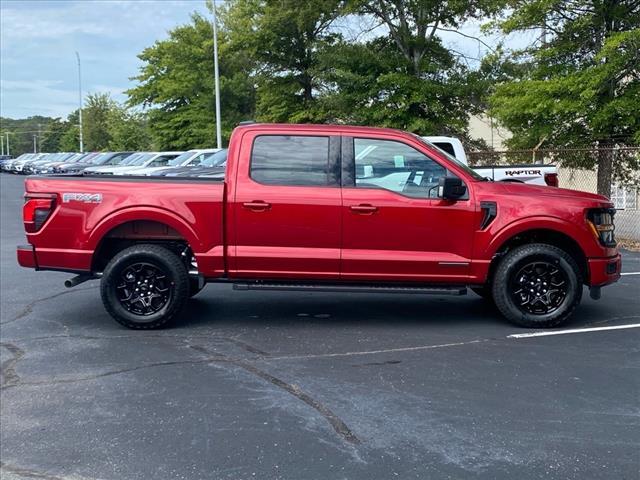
x,y
323,207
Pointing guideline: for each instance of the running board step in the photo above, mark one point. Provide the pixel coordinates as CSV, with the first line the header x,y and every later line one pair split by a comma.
x,y
441,290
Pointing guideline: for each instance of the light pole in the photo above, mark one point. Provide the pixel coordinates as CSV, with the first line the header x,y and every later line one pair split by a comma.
x,y
35,145
80,102
8,151
216,76
1,144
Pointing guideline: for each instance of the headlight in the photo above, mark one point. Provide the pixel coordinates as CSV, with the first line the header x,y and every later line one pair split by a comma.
x,y
601,222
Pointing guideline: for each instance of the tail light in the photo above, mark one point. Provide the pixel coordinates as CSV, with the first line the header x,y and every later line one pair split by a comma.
x,y
37,208
551,179
601,222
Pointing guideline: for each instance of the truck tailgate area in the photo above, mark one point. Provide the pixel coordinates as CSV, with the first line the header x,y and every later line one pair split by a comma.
x,y
97,208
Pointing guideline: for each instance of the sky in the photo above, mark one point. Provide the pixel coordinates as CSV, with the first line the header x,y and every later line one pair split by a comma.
x,y
39,38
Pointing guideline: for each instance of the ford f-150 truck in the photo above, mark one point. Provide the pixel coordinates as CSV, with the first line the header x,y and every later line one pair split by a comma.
x,y
323,208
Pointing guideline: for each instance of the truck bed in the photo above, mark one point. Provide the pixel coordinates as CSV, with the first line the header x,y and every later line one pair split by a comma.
x,y
95,208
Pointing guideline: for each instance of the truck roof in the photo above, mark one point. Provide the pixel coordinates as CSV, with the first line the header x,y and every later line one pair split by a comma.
x,y
319,127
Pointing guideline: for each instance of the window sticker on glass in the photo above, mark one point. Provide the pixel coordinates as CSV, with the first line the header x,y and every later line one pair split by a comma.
x,y
397,167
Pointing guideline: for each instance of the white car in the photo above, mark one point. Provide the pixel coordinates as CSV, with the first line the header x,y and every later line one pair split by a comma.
x,y
159,160
131,164
134,159
532,173
190,158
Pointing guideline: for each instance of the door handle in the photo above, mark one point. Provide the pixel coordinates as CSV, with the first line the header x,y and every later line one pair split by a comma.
x,y
257,206
363,209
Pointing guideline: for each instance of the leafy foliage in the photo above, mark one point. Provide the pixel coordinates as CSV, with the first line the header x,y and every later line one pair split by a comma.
x,y
283,40
97,111
582,81
21,132
176,84
107,126
375,84
128,130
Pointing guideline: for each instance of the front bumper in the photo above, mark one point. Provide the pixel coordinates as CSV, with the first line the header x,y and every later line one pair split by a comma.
x,y
603,271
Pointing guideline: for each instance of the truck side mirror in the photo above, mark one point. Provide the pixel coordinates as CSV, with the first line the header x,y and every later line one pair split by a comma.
x,y
451,188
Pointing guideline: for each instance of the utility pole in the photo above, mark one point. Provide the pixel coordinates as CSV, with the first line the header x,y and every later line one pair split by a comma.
x,y
80,102
1,144
8,151
216,76
35,145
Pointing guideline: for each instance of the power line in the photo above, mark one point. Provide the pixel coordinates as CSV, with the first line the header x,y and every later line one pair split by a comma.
x,y
18,132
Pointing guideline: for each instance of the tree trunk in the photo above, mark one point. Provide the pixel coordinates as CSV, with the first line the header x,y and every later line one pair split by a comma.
x,y
605,170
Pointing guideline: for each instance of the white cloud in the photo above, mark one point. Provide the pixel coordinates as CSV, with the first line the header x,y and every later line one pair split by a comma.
x,y
38,39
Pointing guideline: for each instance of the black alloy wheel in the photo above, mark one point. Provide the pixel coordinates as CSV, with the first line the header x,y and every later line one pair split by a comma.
x,y
144,288
539,287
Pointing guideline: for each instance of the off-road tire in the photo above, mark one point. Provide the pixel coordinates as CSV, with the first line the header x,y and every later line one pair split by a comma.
x,y
163,259
510,265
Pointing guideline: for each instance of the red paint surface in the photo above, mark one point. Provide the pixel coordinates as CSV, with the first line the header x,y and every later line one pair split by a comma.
x,y
312,232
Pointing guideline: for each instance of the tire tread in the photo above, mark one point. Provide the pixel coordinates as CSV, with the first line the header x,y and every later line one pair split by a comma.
x,y
181,288
501,279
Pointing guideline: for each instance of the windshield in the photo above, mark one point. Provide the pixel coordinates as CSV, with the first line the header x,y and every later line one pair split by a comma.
x,y
180,159
143,158
98,158
137,159
453,159
215,159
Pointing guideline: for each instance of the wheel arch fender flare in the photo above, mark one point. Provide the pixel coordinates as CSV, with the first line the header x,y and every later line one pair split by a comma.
x,y
154,214
530,224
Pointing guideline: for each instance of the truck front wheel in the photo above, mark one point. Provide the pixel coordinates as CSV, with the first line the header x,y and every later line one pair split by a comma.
x,y
537,285
145,286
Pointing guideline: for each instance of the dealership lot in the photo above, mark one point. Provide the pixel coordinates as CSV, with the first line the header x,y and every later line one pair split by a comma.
x,y
311,385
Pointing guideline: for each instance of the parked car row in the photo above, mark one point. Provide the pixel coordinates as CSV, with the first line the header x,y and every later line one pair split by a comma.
x,y
211,162
197,162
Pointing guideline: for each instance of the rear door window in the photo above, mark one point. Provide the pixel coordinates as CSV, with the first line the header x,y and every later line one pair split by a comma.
x,y
293,160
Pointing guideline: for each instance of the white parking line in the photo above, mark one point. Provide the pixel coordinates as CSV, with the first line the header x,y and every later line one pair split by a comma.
x,y
573,330
630,273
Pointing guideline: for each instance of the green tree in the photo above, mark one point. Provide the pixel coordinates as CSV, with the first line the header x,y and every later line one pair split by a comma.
x,y
372,84
284,40
406,77
128,130
413,25
176,84
21,132
98,109
70,136
580,82
52,136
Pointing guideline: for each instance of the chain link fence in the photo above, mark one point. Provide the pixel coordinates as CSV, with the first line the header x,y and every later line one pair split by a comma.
x,y
578,169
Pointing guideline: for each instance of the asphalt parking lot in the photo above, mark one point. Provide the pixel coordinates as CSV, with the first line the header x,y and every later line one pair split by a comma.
x,y
301,385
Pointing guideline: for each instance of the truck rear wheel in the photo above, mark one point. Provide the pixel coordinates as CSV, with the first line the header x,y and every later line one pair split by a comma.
x,y
537,285
145,287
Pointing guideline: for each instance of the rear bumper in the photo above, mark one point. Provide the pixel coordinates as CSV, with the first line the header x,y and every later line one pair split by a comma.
x,y
603,271
27,256
63,260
